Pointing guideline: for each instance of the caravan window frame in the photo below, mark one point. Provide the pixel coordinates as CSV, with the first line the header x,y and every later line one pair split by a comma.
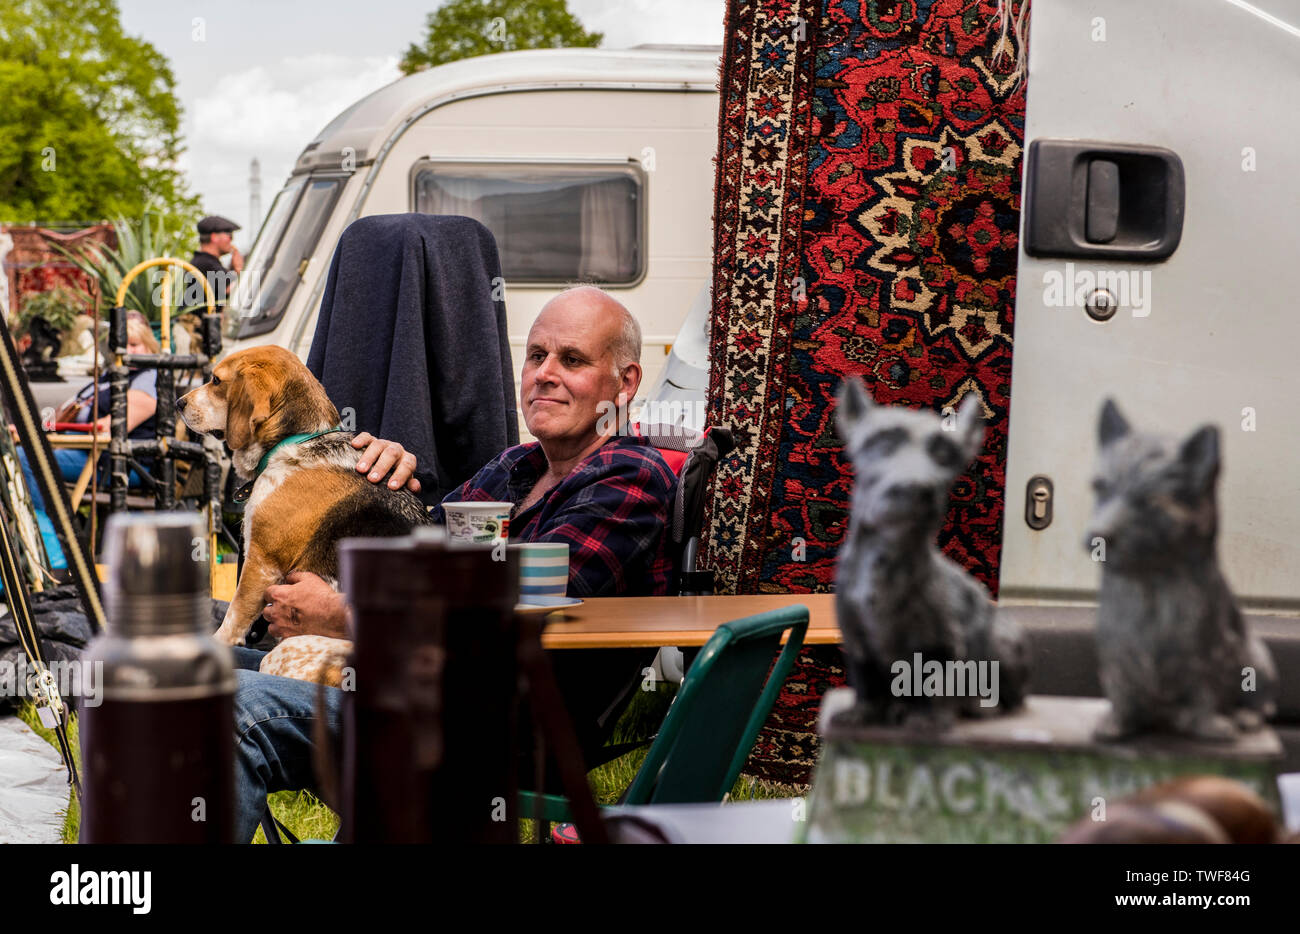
x,y
251,326
617,165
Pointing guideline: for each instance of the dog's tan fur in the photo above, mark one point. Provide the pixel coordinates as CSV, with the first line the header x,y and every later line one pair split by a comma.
x,y
309,658
256,397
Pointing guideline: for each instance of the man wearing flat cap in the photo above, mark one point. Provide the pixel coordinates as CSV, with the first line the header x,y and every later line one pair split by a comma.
x,y
214,242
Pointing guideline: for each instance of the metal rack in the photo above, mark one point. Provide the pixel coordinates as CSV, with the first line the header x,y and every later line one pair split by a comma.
x,y
165,449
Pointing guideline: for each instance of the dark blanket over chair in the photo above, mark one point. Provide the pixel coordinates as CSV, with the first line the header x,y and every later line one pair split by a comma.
x,y
411,339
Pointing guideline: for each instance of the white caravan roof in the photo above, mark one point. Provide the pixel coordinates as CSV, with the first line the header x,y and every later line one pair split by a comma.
x,y
364,128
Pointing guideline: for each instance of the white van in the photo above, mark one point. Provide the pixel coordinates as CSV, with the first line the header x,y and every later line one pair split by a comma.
x,y
1201,330
1206,333
585,164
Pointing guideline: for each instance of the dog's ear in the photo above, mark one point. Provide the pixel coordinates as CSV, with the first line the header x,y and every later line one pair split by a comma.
x,y
1112,425
1200,454
854,406
300,403
248,405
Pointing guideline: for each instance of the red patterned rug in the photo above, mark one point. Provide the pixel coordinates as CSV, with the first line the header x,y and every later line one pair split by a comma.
x,y
866,224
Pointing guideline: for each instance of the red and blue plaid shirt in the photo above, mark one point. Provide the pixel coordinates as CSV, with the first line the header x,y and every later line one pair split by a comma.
x,y
612,510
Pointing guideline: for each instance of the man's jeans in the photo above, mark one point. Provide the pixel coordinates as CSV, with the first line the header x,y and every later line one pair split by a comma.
x,y
275,721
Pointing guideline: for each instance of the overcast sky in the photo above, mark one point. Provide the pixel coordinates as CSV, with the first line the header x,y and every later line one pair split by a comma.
x,y
259,78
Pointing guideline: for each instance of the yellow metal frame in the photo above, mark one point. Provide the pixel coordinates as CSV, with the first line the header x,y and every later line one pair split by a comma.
x,y
211,299
166,310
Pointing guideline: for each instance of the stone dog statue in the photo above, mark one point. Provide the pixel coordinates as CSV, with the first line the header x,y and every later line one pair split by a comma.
x,y
897,596
1174,653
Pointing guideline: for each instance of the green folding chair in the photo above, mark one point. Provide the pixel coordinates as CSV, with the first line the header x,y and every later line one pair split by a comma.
x,y
711,726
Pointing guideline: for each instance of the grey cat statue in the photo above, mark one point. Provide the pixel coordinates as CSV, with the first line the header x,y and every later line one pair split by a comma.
x,y
1174,653
898,598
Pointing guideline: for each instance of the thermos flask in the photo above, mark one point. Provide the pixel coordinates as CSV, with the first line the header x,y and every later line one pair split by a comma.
x,y
158,750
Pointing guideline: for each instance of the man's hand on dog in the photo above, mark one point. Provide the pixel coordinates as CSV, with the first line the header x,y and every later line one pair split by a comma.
x,y
380,457
304,606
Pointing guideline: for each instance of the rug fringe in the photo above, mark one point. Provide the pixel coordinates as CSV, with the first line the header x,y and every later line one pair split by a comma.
x,y
1011,29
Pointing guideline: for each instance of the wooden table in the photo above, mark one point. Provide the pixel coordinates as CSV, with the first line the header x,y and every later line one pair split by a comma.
x,y
85,442
630,622
77,439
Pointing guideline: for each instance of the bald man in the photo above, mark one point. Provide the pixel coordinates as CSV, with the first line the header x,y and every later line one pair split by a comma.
x,y
606,494
582,482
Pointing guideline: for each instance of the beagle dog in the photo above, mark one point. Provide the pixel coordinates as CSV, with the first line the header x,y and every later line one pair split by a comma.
x,y
303,492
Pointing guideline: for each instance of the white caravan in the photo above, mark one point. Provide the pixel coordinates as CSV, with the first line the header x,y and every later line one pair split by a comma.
x,y
586,165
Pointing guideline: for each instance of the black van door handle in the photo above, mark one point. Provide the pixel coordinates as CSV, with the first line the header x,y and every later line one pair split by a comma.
x,y
1103,201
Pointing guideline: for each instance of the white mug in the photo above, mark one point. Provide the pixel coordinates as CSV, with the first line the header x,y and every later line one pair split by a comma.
x,y
477,522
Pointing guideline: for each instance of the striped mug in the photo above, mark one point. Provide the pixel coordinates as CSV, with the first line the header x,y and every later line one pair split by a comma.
x,y
543,569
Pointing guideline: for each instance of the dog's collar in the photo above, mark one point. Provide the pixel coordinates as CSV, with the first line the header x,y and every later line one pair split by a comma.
x,y
242,494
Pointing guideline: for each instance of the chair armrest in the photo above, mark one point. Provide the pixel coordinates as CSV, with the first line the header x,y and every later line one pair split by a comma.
x,y
555,808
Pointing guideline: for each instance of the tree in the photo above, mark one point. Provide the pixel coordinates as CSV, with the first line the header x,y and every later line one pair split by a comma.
x,y
89,121
465,28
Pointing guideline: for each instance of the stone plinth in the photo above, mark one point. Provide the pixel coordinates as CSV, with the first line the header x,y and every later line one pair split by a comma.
x,y
1022,778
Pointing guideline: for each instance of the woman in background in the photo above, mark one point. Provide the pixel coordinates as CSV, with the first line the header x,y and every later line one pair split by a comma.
x,y
141,402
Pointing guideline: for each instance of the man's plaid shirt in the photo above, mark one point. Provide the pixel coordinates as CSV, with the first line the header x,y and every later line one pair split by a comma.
x,y
612,510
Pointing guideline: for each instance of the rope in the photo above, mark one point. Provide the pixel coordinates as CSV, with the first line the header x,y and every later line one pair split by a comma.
x,y
18,397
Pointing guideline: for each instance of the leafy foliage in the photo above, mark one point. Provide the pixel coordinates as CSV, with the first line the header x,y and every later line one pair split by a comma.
x,y
58,306
137,241
89,121
466,28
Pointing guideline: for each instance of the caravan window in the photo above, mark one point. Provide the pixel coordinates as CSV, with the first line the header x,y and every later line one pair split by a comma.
x,y
288,238
552,223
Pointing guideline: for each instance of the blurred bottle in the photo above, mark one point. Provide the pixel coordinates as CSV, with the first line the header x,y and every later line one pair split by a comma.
x,y
158,751
429,727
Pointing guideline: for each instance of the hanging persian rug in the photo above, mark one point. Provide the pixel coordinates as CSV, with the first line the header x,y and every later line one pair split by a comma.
x,y
866,224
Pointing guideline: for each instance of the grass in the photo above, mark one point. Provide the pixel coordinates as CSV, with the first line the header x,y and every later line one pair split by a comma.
x,y
308,818
641,721
304,814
